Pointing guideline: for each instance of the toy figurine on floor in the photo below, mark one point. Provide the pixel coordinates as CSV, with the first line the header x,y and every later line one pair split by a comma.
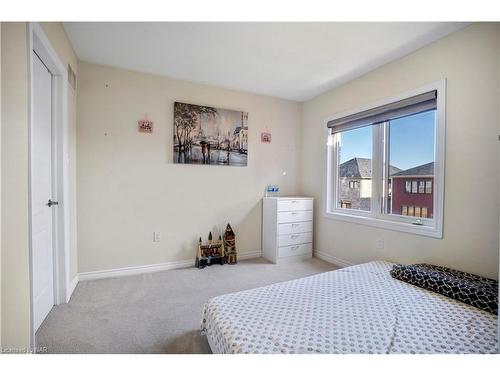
x,y
230,246
211,253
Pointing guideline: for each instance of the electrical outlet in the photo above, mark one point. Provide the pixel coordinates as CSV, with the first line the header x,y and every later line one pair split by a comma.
x,y
156,236
380,243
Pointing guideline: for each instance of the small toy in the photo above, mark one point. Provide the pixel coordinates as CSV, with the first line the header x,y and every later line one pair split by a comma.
x,y
218,251
230,246
210,254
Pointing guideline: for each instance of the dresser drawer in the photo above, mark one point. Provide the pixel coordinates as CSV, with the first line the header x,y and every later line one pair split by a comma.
x,y
294,216
289,251
295,205
293,239
301,227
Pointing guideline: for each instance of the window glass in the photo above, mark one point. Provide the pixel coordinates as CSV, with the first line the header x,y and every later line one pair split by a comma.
x,y
414,187
353,184
428,187
345,204
424,212
355,153
411,164
408,186
421,187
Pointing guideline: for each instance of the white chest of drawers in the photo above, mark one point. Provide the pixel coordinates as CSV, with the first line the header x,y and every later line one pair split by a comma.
x,y
287,228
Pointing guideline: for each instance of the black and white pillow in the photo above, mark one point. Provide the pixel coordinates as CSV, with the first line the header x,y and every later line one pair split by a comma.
x,y
474,290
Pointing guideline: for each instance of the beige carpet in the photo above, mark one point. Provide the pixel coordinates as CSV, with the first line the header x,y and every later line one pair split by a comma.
x,y
157,312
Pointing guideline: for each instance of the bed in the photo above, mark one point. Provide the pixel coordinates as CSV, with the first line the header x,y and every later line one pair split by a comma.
x,y
358,309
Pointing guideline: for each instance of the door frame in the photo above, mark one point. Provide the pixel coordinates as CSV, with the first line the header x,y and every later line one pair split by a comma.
x,y
38,42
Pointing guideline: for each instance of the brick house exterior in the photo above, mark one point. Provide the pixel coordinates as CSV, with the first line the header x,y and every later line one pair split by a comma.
x,y
413,191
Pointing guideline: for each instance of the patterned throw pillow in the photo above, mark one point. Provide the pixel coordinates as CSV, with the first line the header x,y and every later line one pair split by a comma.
x,y
474,290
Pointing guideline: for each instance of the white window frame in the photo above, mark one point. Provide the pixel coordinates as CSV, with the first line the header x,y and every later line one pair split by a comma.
x,y
375,218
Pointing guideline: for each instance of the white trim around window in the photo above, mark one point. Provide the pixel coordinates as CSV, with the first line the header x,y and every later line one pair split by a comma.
x,y
375,217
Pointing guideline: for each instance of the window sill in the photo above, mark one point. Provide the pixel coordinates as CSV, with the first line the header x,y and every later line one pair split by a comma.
x,y
420,230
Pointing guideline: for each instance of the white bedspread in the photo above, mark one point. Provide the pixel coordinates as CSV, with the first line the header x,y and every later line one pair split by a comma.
x,y
359,309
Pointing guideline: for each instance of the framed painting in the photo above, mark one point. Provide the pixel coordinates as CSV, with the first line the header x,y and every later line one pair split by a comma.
x,y
208,135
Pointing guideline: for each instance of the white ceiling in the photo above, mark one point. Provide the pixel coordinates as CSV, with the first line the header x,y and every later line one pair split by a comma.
x,y
296,61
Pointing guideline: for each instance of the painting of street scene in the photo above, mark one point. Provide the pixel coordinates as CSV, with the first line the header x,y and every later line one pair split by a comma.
x,y
207,135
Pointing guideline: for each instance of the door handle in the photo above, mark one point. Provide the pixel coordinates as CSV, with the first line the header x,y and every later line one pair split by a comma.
x,y
51,203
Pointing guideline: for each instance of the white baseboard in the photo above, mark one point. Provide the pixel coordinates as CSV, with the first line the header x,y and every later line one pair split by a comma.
x,y
250,255
331,259
129,271
72,287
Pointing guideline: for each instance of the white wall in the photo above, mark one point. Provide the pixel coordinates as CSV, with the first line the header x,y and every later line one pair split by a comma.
x,y
128,186
14,218
469,60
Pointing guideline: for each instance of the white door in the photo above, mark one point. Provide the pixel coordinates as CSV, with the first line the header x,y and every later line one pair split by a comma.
x,y
41,192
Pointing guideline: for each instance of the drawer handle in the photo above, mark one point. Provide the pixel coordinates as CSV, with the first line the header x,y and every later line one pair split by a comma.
x,y
295,213
295,225
295,247
295,235
295,201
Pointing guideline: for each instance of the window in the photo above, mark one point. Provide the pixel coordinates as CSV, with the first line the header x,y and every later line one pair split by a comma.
x,y
353,184
414,211
353,145
424,212
414,187
345,204
425,187
421,187
391,150
408,186
428,187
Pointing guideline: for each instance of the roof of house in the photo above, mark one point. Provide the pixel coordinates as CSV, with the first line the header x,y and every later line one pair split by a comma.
x,y
360,168
421,170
